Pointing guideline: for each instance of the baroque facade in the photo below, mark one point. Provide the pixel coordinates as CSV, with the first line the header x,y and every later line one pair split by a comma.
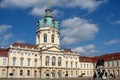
x,y
46,59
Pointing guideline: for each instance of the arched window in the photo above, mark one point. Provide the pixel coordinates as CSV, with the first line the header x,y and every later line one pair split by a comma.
x,y
28,64
21,72
71,64
35,62
14,61
53,61
47,60
76,64
59,73
45,37
53,74
38,38
21,61
59,61
52,38
47,73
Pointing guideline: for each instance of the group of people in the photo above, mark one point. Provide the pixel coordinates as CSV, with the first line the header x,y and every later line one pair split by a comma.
x,y
103,75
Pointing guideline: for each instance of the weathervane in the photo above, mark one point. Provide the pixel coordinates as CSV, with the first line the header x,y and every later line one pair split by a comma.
x,y
48,3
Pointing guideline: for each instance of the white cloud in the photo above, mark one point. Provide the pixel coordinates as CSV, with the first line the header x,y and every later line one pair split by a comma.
x,y
4,34
77,29
88,49
114,41
37,11
5,39
18,3
90,5
4,28
39,5
117,22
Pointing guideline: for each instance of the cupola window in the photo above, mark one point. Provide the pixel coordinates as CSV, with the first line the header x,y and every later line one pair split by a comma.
x,y
45,37
52,38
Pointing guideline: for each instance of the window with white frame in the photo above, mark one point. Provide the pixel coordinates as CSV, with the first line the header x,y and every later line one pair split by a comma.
x,y
28,61
87,65
21,72
14,52
76,72
35,62
71,73
76,64
81,65
108,63
71,64
21,61
14,61
53,74
22,53
4,61
45,37
59,61
47,59
29,54
28,72
112,63
3,72
53,61
52,38
35,73
84,65
117,63
66,64
13,71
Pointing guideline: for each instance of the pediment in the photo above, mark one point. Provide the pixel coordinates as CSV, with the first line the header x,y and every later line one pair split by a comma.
x,y
53,49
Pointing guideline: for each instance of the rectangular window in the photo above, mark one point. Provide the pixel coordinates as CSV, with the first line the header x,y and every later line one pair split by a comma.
x,y
22,53
87,66
117,63
76,73
35,64
76,64
108,64
14,61
21,72
112,63
81,65
28,72
66,64
21,62
71,73
84,66
87,72
35,73
28,62
71,64
13,71
3,72
4,61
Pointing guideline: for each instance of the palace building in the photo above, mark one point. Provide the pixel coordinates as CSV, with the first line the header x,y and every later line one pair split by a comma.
x,y
46,59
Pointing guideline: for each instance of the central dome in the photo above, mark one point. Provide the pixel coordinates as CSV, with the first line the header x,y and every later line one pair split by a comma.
x,y
48,20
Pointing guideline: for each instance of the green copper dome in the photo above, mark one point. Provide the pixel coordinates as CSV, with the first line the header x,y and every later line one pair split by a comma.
x,y
48,20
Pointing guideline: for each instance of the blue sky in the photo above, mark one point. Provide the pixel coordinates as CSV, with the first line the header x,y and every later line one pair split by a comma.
x,y
90,27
